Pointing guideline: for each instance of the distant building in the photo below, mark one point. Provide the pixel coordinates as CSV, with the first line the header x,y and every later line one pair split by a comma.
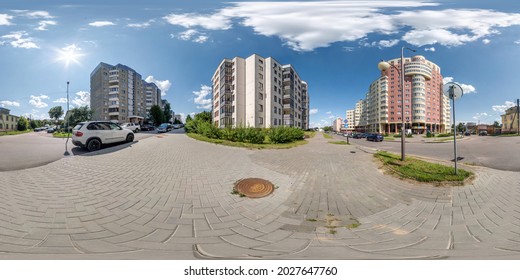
x,y
350,120
337,124
259,92
510,120
8,122
119,94
177,117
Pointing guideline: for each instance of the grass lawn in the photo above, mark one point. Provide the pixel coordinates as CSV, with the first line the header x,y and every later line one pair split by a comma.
x,y
389,138
309,134
246,145
14,132
61,135
421,171
506,135
327,136
339,142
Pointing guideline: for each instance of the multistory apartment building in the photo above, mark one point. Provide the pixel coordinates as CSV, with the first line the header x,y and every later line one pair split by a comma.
x,y
360,118
259,92
350,117
426,107
337,124
117,93
8,122
152,95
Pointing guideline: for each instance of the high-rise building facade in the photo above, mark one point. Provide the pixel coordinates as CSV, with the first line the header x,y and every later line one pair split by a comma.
x,y
350,117
117,93
337,124
152,95
426,107
259,92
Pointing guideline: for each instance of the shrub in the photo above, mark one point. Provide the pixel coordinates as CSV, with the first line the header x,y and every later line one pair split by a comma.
x,y
284,134
207,129
254,135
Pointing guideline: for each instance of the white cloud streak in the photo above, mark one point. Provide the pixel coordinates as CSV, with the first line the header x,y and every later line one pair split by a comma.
x,y
7,103
141,25
502,108
60,100
19,39
203,97
37,101
305,26
164,86
42,25
81,99
313,111
101,23
5,19
191,35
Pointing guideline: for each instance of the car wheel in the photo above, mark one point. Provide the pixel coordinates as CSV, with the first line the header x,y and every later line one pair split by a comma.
x,y
93,145
130,138
136,130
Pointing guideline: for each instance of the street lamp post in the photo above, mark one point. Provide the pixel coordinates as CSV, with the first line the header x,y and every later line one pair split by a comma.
x,y
454,92
67,123
383,65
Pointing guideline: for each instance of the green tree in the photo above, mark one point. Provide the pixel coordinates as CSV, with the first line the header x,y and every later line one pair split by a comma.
x,y
167,112
36,123
188,118
203,116
80,114
176,121
56,113
461,127
23,124
156,114
327,128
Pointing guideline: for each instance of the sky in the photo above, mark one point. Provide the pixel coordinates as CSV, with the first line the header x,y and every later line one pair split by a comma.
x,y
334,45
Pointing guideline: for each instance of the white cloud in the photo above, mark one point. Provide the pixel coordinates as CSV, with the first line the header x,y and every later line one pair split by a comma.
x,y
164,86
37,101
101,23
517,42
192,35
7,103
141,25
212,22
329,113
44,23
466,88
82,99
5,19
504,107
348,49
313,111
307,25
486,41
37,14
60,100
478,116
432,49
19,39
203,97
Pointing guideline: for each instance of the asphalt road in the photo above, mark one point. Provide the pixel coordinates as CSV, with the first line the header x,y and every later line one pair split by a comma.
x,y
39,148
501,153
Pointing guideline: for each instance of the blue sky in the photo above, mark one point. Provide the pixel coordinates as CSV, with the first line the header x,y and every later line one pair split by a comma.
x,y
334,45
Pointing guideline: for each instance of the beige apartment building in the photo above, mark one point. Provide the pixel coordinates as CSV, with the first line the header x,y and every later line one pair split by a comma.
x,y
510,120
259,92
8,122
350,117
119,94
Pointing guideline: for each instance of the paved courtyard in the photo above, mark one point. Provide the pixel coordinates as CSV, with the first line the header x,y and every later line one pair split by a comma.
x,y
169,197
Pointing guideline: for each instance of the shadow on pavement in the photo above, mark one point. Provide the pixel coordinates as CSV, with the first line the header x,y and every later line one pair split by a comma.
x,y
105,149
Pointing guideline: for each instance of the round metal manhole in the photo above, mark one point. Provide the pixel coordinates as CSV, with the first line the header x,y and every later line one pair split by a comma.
x,y
254,187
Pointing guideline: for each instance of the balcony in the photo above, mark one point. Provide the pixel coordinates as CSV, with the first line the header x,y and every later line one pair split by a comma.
x,y
113,106
287,106
113,113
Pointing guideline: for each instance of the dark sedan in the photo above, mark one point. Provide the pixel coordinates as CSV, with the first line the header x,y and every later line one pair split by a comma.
x,y
375,137
147,127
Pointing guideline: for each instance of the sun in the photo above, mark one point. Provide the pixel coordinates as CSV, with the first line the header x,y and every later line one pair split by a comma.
x,y
69,54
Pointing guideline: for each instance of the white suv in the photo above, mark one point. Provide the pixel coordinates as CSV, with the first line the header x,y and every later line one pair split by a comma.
x,y
92,135
135,127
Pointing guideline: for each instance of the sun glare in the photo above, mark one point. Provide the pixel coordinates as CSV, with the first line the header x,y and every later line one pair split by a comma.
x,y
69,54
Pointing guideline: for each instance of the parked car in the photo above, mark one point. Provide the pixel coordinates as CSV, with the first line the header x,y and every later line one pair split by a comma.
x,y
375,137
147,127
91,135
135,127
51,130
483,133
467,133
164,127
357,136
176,126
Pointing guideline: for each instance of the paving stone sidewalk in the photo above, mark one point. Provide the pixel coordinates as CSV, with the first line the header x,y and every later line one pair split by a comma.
x,y
169,197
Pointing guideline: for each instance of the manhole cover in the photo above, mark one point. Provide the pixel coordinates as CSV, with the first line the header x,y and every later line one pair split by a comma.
x,y
254,187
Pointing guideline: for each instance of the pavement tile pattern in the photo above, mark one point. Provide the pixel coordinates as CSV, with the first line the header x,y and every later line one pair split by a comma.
x,y
171,198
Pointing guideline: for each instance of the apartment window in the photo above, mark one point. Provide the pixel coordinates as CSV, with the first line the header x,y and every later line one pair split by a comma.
x,y
261,86
261,68
261,108
260,96
261,120
261,76
275,99
260,61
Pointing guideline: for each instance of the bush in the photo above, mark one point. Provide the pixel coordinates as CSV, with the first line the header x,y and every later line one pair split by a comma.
x,y
23,124
254,135
444,134
284,134
207,129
